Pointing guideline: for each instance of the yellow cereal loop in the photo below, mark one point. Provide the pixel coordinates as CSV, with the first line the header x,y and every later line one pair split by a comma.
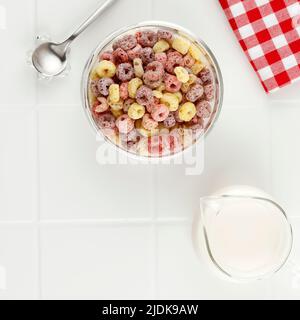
x,y
187,112
196,53
133,87
157,94
185,88
136,111
94,74
106,69
171,101
117,113
182,74
114,93
181,45
192,79
178,96
197,68
161,46
116,106
161,88
138,67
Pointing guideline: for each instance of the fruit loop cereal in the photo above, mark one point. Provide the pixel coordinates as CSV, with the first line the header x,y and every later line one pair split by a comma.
x,y
151,88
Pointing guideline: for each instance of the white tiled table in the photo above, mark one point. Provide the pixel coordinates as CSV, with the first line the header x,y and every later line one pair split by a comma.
x,y
70,228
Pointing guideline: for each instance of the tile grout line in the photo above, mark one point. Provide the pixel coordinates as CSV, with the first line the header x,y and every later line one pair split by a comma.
x,y
270,284
99,222
155,245
38,172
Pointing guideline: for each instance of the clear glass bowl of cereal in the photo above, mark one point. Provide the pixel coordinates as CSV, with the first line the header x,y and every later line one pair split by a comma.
x,y
152,90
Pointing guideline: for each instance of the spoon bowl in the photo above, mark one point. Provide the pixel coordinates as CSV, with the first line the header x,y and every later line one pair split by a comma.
x,y
50,59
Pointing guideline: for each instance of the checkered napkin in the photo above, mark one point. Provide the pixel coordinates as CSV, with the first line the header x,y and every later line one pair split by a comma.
x,y
269,33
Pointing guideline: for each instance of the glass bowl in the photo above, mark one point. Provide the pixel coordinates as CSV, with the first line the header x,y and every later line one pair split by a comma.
x,y
211,63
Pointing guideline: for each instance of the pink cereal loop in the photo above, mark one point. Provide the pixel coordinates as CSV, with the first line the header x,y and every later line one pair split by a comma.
x,y
124,124
160,113
148,123
124,94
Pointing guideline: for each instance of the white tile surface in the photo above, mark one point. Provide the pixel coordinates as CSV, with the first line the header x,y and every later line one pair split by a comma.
x,y
17,36
286,155
237,151
182,275
97,263
18,160
71,228
74,185
18,262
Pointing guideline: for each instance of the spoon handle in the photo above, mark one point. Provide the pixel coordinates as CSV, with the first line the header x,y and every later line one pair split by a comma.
x,y
90,20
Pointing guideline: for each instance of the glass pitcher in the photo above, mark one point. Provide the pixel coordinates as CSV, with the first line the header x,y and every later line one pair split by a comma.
x,y
243,234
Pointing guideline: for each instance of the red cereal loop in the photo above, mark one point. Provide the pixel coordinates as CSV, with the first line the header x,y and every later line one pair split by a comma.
x,y
164,35
170,122
106,121
120,56
126,43
135,52
156,66
195,93
125,72
94,88
203,109
172,83
125,124
206,76
146,38
107,55
124,91
161,57
144,96
103,86
196,124
175,59
152,79
189,61
147,55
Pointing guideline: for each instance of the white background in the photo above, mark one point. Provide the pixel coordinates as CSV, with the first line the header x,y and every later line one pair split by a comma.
x,y
70,228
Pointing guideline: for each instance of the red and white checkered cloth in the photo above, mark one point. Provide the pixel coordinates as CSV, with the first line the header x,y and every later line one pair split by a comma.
x,y
269,33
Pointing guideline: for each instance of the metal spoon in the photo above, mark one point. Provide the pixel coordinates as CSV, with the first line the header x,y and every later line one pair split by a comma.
x,y
51,59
